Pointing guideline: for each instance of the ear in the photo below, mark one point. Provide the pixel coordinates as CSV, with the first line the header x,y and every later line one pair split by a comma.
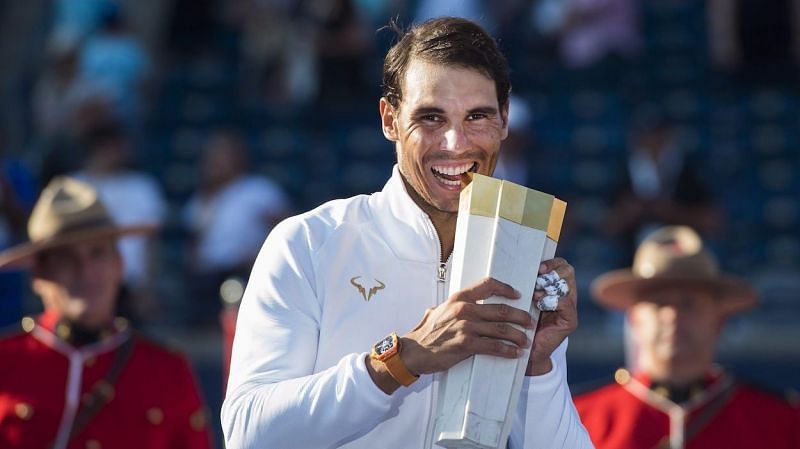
x,y
504,118
388,120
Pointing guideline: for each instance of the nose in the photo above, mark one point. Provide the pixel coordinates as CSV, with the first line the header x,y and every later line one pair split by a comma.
x,y
668,314
454,138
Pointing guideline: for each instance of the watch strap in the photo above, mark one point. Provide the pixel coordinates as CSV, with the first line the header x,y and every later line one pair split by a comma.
x,y
394,364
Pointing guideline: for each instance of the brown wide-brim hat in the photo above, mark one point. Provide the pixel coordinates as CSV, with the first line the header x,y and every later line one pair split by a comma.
x,y
68,211
672,257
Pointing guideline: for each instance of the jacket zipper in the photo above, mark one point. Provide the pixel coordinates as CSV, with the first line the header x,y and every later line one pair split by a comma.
x,y
441,296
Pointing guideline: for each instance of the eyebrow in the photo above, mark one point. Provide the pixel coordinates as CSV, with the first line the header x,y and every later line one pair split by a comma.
x,y
424,110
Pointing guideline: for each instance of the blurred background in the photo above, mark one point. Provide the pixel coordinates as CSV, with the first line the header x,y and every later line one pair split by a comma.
x,y
218,118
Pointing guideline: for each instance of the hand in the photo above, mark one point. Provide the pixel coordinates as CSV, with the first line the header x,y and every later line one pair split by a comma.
x,y
460,327
553,327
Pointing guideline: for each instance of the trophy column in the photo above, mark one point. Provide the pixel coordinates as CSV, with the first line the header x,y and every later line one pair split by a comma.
x,y
504,231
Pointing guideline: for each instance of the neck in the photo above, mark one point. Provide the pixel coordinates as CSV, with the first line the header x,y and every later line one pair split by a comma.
x,y
677,377
444,222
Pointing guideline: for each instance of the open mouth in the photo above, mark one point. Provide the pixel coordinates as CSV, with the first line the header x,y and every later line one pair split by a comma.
x,y
451,175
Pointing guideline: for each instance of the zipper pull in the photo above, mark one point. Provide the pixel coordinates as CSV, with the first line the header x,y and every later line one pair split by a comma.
x,y
441,272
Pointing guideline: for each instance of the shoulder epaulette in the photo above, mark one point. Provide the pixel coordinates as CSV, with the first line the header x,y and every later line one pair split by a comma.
x,y
621,376
25,325
789,395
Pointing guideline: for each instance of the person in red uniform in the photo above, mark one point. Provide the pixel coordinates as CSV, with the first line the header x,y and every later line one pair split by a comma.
x,y
76,377
676,301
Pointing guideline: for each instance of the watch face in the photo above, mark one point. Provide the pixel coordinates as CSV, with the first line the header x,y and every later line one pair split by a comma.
x,y
384,345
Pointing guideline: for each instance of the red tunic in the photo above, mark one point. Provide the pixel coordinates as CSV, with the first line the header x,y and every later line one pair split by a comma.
x,y
726,414
45,383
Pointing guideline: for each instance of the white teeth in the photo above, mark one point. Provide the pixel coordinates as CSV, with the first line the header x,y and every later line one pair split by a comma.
x,y
453,171
450,183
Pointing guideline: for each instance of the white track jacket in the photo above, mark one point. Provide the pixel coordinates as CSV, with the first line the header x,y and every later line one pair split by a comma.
x,y
328,284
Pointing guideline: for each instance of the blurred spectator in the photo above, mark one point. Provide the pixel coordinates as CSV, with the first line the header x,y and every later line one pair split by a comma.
x,y
281,65
313,50
18,191
660,185
512,164
677,303
752,34
80,18
132,198
343,46
590,30
115,60
61,91
228,217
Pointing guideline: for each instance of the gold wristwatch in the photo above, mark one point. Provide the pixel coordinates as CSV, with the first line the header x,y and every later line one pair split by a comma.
x,y
387,351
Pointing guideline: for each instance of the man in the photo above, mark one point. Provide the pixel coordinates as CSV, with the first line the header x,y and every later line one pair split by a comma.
x,y
75,377
329,283
228,217
677,302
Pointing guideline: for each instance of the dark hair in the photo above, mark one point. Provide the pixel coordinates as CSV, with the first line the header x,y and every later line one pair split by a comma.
x,y
103,133
448,41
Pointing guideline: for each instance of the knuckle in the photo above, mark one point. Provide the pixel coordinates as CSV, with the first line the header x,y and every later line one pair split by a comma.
x,y
502,328
503,311
458,309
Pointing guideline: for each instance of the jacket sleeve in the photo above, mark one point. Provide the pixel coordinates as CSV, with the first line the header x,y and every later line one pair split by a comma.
x,y
191,429
546,416
274,398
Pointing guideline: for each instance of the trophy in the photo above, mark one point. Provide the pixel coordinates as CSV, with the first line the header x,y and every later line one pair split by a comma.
x,y
504,231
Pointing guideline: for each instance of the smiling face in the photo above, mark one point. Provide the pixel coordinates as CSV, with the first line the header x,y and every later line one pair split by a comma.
x,y
448,122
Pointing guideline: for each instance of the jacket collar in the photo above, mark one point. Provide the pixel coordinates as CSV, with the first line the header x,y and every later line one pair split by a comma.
x,y
715,382
407,229
56,333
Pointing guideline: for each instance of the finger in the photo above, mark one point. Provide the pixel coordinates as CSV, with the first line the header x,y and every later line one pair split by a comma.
x,y
503,313
484,289
553,264
548,304
490,346
563,269
499,331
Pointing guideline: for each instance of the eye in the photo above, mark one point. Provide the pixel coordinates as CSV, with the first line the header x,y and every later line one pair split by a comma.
x,y
477,116
431,118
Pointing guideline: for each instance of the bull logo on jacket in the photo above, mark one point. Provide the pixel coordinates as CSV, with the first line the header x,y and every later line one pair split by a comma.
x,y
361,289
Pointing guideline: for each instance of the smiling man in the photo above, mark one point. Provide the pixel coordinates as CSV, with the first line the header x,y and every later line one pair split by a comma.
x,y
319,363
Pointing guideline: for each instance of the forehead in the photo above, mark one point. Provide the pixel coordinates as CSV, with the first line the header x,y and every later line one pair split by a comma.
x,y
695,296
108,243
431,84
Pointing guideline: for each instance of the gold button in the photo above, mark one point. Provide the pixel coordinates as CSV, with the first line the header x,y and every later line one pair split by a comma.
x,y
93,444
28,324
106,390
24,411
90,361
155,415
121,323
622,376
198,419
662,391
63,331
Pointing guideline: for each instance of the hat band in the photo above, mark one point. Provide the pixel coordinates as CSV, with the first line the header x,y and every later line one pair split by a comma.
x,y
83,225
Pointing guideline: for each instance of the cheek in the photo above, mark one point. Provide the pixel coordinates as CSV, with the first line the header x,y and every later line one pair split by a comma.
x,y
643,325
485,132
